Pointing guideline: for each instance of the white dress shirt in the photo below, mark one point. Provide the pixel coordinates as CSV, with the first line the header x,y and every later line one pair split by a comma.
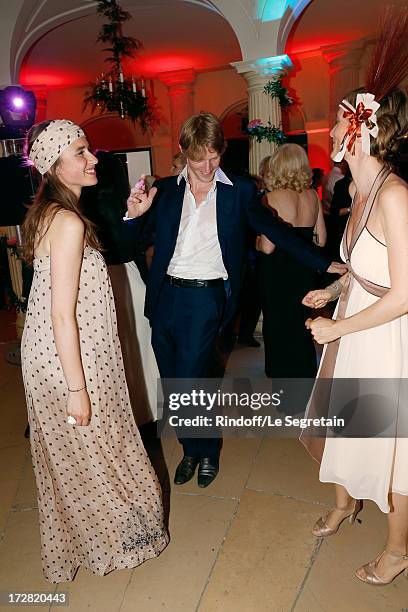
x,y
197,254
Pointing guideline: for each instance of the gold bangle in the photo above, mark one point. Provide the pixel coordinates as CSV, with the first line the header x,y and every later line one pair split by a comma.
x,y
76,390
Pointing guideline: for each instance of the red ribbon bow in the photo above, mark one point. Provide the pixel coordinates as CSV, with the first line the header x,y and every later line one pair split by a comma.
x,y
356,119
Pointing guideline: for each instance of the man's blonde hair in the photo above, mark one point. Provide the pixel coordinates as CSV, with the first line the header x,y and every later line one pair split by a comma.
x,y
288,168
201,132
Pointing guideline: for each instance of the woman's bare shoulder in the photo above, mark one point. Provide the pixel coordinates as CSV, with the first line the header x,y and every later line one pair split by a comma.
x,y
58,225
393,195
68,219
65,225
311,194
281,196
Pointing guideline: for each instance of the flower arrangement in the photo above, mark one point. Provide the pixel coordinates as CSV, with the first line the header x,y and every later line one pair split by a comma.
x,y
270,132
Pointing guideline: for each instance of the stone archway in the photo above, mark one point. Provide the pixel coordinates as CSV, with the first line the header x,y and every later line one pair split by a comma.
x,y
235,158
231,119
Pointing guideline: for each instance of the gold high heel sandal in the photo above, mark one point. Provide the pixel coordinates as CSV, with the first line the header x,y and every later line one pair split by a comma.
x,y
372,578
322,529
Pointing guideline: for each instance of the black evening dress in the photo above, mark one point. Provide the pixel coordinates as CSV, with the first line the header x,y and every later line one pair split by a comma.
x,y
283,282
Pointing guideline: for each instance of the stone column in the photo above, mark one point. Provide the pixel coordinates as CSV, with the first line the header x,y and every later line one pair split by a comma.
x,y
344,70
180,85
260,105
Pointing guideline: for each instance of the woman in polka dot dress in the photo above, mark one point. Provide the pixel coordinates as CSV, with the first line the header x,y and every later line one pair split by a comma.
x,y
98,497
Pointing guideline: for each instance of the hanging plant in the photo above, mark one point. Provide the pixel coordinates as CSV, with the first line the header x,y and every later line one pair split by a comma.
x,y
113,92
112,31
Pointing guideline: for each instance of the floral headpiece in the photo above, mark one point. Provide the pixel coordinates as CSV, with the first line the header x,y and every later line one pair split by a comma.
x,y
362,124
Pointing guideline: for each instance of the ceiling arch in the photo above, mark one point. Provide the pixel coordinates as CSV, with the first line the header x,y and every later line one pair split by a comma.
x,y
261,28
37,19
334,22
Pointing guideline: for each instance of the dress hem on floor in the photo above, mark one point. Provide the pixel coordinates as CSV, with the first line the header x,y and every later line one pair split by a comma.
x,y
117,563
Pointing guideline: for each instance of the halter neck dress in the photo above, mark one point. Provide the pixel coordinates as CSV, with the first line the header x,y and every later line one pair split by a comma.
x,y
368,467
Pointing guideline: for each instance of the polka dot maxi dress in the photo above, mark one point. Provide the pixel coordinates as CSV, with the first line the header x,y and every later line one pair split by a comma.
x,y
98,497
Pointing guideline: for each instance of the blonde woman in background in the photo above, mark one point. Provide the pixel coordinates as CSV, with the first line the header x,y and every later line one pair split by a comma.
x,y
289,349
179,162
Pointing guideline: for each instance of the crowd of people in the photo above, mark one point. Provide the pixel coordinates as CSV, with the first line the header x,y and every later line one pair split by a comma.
x,y
98,496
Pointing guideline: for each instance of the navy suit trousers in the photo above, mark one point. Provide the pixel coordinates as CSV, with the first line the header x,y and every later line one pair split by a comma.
x,y
184,329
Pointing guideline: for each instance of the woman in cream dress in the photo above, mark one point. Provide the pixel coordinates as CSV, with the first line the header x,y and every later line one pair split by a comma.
x,y
368,337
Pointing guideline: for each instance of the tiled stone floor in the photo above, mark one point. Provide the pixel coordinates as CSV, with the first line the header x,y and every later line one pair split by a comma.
x,y
241,545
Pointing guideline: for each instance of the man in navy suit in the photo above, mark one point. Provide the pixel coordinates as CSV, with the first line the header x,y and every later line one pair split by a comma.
x,y
199,220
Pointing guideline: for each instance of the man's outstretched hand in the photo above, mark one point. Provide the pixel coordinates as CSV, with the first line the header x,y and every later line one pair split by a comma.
x,y
139,201
337,268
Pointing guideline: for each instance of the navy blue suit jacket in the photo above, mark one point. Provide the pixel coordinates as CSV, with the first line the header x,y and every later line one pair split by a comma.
x,y
237,206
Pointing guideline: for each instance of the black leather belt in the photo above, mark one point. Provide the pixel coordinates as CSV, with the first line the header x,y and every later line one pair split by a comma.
x,y
193,282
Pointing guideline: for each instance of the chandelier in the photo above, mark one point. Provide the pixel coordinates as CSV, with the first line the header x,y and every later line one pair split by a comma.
x,y
113,91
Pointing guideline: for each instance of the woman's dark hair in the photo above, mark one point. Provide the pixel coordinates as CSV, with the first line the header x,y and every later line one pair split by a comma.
x,y
51,197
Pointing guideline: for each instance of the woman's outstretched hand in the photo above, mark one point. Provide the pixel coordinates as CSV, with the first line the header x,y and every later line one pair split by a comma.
x,y
323,330
139,201
317,298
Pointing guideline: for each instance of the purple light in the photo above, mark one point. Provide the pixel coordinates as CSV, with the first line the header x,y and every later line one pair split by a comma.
x,y
18,102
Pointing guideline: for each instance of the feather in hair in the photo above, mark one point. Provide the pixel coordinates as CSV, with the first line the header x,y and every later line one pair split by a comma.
x,y
389,62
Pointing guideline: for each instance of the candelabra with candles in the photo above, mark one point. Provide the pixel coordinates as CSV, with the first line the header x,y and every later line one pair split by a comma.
x,y
113,92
